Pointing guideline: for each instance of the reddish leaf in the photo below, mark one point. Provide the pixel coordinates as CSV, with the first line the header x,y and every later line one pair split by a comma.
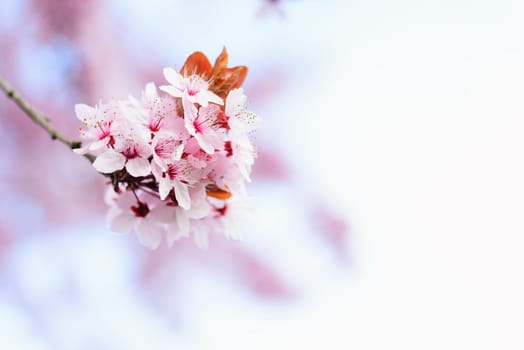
x,y
197,63
220,62
222,79
228,79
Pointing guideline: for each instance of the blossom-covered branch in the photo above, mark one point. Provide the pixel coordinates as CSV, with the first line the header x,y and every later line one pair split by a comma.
x,y
39,119
179,156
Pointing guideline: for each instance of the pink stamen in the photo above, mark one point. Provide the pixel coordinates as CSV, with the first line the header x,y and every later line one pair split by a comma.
x,y
198,125
192,92
105,129
172,171
130,152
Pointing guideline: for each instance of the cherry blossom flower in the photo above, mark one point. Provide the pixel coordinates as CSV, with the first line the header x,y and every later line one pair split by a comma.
x,y
130,150
177,158
239,119
157,108
177,176
241,123
194,88
180,226
129,212
203,124
98,125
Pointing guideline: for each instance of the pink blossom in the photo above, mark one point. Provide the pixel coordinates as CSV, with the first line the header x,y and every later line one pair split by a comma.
x,y
179,161
177,176
241,121
130,150
194,88
129,212
204,125
98,125
181,227
157,108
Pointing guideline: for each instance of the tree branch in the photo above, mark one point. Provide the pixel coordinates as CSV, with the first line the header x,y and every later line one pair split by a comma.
x,y
40,119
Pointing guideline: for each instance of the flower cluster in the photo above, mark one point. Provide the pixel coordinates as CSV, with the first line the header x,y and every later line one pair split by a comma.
x,y
177,159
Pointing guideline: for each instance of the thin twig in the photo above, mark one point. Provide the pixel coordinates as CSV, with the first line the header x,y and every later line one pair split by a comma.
x,y
40,119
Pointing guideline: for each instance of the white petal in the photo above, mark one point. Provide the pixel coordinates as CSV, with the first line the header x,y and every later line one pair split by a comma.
x,y
150,90
164,186
173,77
179,150
157,169
109,162
163,213
173,91
138,167
97,145
190,114
201,239
84,112
199,211
182,221
174,234
235,102
212,97
81,150
149,233
182,194
122,222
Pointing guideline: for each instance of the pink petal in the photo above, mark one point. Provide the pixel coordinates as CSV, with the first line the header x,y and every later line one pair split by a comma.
x,y
138,167
206,146
212,97
109,162
149,233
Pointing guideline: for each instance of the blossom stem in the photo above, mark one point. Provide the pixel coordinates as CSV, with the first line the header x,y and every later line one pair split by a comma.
x,y
39,118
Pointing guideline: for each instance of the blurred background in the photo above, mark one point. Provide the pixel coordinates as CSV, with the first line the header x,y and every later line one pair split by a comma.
x,y
388,193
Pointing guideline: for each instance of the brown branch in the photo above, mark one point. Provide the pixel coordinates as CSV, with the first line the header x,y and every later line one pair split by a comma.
x,y
40,119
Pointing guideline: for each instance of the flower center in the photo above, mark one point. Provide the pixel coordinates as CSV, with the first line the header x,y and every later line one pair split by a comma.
x,y
140,210
198,125
155,124
228,148
172,171
130,151
222,211
104,129
192,92
165,147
